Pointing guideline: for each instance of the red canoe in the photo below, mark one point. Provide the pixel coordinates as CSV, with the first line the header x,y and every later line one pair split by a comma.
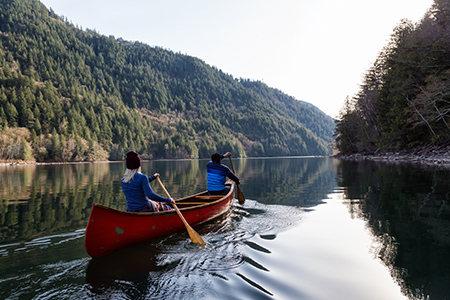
x,y
109,229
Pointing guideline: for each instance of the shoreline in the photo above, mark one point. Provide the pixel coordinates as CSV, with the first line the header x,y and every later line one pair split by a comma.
x,y
27,163
430,156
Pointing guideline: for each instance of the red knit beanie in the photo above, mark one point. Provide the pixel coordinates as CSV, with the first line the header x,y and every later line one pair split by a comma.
x,y
133,160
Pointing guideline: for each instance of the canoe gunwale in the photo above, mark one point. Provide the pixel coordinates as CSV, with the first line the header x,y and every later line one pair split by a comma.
x,y
178,201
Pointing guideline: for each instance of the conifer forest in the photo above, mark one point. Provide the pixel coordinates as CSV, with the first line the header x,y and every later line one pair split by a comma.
x,y
71,94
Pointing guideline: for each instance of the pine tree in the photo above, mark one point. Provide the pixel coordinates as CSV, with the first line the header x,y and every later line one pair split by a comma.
x,y
56,145
3,119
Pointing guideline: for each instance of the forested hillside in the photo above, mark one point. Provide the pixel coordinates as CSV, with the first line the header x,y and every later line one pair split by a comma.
x,y
69,94
404,100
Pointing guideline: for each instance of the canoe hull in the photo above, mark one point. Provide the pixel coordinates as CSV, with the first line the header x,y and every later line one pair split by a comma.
x,y
109,230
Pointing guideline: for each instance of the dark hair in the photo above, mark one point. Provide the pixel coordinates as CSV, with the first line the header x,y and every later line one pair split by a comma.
x,y
216,157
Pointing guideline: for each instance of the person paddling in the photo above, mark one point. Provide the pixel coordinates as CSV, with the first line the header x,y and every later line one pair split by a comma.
x,y
137,190
217,174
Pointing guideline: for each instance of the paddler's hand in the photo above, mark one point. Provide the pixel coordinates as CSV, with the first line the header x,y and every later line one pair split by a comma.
x,y
156,175
228,154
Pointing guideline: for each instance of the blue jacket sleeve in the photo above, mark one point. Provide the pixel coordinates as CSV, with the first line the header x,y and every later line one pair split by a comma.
x,y
231,175
150,194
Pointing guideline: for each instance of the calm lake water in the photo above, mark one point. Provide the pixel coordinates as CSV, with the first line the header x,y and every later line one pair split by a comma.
x,y
310,228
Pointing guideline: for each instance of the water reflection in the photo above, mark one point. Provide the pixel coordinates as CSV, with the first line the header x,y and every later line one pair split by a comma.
x,y
407,209
289,181
45,200
253,250
40,200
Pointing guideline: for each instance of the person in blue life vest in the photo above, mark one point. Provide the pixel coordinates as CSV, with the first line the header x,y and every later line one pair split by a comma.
x,y
217,174
137,190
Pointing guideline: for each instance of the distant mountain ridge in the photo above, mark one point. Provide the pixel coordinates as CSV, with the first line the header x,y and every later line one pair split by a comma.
x,y
85,96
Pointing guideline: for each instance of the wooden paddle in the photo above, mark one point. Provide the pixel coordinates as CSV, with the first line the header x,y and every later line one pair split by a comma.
x,y
241,197
195,237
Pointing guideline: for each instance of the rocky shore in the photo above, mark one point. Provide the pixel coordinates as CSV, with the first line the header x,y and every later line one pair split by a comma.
x,y
436,156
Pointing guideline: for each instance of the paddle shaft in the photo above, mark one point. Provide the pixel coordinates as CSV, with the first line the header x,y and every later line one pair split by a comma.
x,y
241,197
195,237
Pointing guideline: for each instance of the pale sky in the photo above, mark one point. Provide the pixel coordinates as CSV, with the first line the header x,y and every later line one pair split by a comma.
x,y
314,50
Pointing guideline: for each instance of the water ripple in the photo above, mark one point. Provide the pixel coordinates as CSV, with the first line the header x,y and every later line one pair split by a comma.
x,y
170,268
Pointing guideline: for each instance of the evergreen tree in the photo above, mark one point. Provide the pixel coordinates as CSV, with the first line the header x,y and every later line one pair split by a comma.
x,y
404,99
3,119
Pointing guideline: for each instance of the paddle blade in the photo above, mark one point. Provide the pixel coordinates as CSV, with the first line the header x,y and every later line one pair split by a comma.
x,y
241,197
195,237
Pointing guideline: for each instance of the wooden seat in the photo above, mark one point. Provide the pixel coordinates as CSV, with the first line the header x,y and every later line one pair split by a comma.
x,y
209,197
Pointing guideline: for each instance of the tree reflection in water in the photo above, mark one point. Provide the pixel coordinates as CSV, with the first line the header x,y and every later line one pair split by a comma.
x,y
407,208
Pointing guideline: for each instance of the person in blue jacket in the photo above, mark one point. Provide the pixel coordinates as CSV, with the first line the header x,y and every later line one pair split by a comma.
x,y
217,174
136,187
